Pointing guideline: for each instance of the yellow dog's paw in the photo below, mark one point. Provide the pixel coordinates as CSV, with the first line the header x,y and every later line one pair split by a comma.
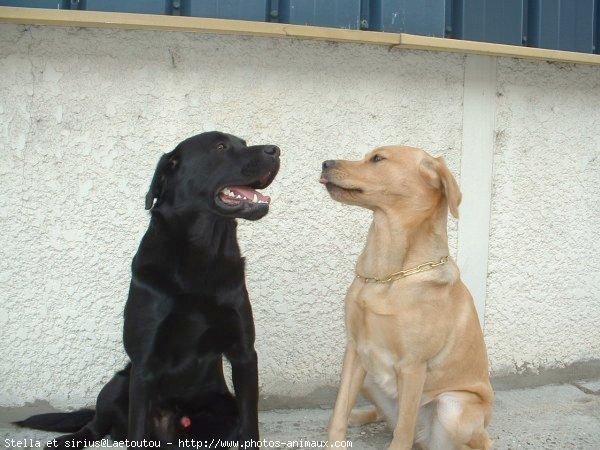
x,y
364,416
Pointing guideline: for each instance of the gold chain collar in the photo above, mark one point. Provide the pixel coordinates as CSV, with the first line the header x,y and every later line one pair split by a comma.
x,y
405,273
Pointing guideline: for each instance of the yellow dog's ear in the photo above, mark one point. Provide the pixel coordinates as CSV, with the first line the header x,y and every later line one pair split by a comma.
x,y
436,173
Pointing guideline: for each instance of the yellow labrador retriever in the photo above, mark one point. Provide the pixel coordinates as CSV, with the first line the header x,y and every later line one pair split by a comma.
x,y
414,344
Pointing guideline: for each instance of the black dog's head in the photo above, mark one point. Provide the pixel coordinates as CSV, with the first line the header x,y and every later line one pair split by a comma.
x,y
215,172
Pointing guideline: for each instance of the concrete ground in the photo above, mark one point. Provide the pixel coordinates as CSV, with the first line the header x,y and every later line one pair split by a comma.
x,y
559,416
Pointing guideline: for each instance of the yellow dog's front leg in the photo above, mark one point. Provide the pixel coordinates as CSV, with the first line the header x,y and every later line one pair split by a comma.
x,y
353,375
411,380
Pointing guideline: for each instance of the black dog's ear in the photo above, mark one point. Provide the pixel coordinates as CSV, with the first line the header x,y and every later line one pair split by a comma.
x,y
166,164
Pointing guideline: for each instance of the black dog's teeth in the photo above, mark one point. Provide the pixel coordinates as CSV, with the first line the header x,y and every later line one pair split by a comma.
x,y
235,196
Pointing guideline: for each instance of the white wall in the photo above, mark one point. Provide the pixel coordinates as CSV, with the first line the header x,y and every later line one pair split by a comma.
x,y
543,305
84,115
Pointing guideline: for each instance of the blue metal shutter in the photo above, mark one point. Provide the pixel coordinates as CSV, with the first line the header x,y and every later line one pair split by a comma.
x,y
597,41
50,4
563,24
322,13
257,10
424,17
499,21
129,6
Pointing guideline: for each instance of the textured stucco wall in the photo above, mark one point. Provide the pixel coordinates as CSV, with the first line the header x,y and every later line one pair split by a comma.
x,y
543,301
84,115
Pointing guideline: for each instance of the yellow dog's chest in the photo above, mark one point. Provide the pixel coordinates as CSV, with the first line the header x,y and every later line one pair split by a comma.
x,y
380,365
391,328
373,308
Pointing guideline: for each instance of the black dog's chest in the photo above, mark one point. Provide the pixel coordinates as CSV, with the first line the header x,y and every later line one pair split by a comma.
x,y
188,349
194,330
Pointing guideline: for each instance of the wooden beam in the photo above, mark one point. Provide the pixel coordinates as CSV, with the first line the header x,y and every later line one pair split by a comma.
x,y
98,19
489,49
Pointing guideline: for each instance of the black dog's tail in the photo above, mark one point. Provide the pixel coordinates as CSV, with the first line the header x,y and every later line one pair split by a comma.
x,y
62,422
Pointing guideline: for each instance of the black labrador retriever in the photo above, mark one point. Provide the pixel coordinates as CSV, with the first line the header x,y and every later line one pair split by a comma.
x,y
187,308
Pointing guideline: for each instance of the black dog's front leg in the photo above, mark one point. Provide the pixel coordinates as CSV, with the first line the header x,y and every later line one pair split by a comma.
x,y
139,407
244,369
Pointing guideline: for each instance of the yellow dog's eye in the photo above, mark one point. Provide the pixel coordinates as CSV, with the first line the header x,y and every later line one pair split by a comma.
x,y
221,146
377,158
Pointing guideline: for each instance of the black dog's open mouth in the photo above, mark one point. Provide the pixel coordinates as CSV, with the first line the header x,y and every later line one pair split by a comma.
x,y
236,195
246,195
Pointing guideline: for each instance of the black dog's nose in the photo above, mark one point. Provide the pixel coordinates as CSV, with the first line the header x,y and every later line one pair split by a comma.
x,y
272,150
328,164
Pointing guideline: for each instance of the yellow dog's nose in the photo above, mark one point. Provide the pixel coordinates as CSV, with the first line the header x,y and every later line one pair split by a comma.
x,y
328,164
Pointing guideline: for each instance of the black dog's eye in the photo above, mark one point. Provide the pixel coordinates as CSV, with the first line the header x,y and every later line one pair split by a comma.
x,y
221,146
377,158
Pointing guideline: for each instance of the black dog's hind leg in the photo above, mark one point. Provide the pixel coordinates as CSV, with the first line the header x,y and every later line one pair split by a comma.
x,y
110,417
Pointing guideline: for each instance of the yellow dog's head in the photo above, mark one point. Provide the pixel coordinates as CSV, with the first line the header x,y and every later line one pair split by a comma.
x,y
396,178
